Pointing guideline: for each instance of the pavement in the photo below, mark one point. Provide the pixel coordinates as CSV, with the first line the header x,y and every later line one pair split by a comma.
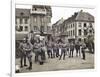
x,y
55,64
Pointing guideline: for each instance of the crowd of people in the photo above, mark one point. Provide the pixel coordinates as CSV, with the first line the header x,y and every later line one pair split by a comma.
x,y
43,50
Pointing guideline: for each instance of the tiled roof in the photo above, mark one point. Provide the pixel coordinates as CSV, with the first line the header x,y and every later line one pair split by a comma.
x,y
84,16
23,12
59,22
80,16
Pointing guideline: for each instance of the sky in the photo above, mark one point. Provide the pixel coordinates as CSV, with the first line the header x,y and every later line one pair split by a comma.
x,y
62,12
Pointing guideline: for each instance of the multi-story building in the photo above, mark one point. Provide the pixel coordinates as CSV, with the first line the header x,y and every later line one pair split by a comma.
x,y
36,19
57,28
40,18
79,26
22,25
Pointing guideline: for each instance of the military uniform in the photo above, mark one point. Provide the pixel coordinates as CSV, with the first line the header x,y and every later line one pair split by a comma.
x,y
49,50
77,47
83,51
37,50
71,50
54,50
27,48
63,51
22,55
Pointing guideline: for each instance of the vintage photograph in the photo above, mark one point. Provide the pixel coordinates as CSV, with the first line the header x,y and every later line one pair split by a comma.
x,y
53,38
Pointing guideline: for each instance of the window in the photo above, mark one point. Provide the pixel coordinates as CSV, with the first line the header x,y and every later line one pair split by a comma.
x,y
79,24
69,33
84,24
21,21
26,21
20,28
35,28
73,32
73,25
79,39
85,32
26,28
90,31
79,32
90,25
42,28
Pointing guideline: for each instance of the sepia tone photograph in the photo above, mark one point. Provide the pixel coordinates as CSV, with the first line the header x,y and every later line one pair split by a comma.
x,y
53,38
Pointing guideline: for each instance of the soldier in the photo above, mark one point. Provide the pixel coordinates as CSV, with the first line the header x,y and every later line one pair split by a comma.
x,y
77,47
37,49
83,50
42,56
57,53
63,51
67,48
22,53
49,49
54,50
28,50
71,49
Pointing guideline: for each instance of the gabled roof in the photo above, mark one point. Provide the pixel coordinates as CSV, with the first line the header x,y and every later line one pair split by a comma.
x,y
23,12
60,21
84,16
80,16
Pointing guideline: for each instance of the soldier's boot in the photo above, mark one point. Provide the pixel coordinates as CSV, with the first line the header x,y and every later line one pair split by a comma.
x,y
30,67
25,62
21,64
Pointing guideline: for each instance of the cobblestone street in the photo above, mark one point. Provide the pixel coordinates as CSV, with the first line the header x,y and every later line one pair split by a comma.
x,y
56,64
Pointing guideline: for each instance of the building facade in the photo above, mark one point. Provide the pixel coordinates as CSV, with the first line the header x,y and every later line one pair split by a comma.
x,y
36,19
79,26
58,29
76,28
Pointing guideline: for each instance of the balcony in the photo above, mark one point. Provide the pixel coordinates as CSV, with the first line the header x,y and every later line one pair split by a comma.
x,y
43,12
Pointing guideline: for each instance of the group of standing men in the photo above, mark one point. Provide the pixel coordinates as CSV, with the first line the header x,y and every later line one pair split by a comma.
x,y
53,49
61,49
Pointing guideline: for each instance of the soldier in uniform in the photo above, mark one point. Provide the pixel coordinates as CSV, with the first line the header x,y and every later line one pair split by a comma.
x,y
67,48
71,49
77,47
57,52
83,50
49,49
63,51
27,48
36,48
54,50
22,53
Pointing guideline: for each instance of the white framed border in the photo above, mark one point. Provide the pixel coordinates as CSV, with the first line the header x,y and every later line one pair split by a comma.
x,y
31,74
